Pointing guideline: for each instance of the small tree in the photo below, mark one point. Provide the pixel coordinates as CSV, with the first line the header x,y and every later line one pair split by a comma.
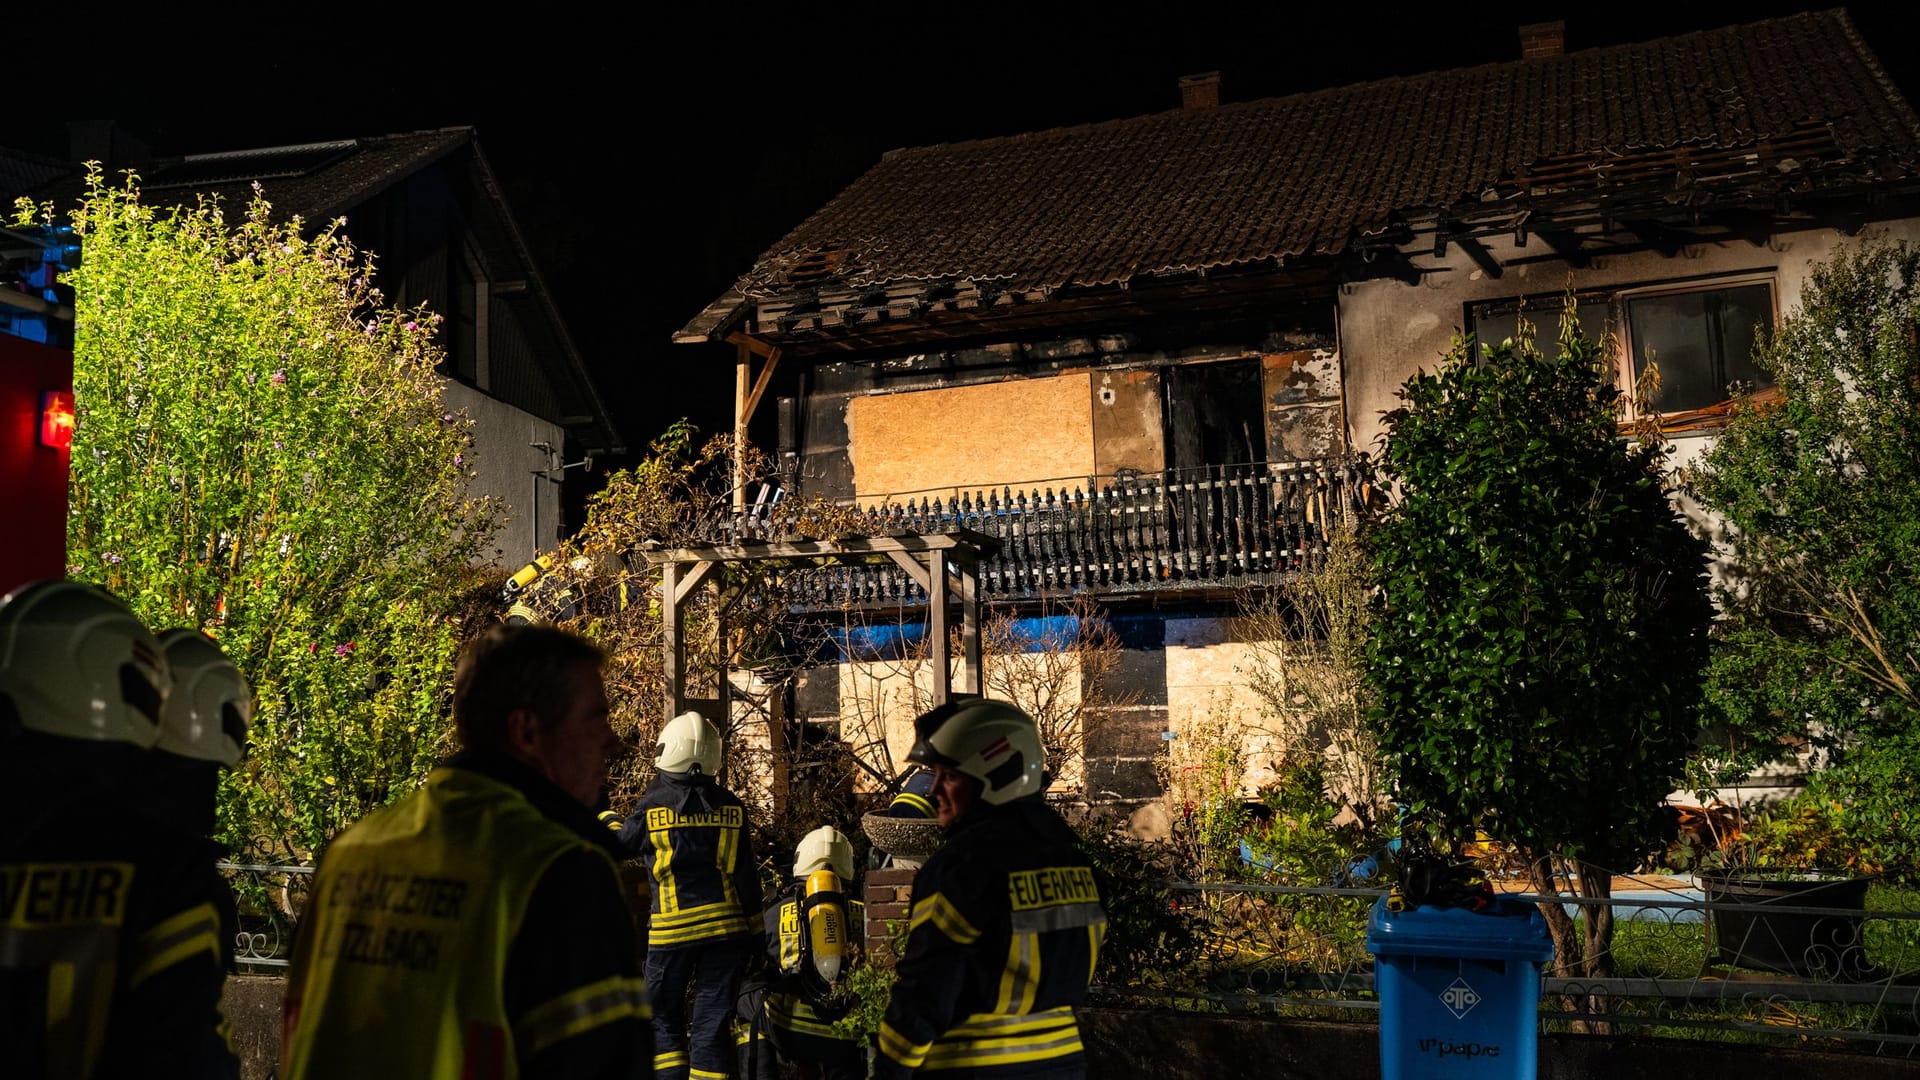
x,y
1308,667
261,453
1820,485
1541,624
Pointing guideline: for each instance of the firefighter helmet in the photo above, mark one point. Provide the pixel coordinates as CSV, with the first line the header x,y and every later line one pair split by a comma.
x,y
991,741
211,706
825,848
689,742
915,797
75,662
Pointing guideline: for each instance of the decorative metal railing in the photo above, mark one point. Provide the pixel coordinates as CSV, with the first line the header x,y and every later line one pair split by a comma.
x,y
1685,965
270,900
1218,526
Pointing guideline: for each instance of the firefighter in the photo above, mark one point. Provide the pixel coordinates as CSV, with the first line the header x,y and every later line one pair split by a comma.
x,y
704,928
789,1009
1006,920
915,797
111,961
476,927
203,732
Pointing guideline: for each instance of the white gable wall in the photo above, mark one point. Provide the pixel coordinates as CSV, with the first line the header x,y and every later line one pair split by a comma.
x,y
1389,330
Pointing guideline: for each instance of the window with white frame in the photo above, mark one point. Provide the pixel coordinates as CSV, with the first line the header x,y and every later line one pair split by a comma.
x,y
1699,334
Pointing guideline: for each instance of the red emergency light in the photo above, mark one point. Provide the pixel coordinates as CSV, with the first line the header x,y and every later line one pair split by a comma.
x,y
56,419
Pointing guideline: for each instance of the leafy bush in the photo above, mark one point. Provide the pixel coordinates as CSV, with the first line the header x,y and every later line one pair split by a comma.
x,y
260,452
1299,840
1536,647
1820,488
1151,939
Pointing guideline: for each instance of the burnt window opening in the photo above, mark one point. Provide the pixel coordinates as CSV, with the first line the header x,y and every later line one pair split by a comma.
x,y
1214,414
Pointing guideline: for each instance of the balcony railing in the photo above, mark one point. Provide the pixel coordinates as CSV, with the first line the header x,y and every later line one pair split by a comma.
x,y
1223,526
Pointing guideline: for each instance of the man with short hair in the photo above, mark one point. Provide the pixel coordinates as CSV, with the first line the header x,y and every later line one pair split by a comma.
x,y
1006,921
476,927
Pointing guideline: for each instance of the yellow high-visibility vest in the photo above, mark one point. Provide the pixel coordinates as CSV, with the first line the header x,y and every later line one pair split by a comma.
x,y
399,963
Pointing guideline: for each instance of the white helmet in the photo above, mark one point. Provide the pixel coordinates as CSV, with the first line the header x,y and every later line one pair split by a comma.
x,y
991,741
75,662
825,848
689,742
207,714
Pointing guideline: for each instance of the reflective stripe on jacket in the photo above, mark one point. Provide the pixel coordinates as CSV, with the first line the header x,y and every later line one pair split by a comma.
x,y
400,966
1003,935
694,839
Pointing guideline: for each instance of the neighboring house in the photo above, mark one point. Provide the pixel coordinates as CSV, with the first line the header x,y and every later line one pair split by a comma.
x,y
428,205
1196,308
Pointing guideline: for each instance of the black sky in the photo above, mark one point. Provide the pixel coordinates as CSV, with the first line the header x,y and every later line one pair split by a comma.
x,y
652,156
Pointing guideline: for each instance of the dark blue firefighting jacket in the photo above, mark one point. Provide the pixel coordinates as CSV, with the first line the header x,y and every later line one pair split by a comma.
x,y
693,836
1003,935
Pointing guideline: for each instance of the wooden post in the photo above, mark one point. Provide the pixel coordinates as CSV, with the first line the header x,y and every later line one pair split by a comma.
x,y
972,678
673,625
742,383
937,600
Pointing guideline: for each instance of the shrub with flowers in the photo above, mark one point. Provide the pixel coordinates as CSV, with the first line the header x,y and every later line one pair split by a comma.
x,y
260,452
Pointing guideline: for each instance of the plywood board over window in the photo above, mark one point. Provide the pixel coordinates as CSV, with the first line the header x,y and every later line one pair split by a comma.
x,y
1007,434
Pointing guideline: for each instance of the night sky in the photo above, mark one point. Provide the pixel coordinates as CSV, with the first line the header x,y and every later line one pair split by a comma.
x,y
650,157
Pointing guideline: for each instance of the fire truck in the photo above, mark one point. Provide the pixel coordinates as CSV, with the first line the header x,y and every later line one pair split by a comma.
x,y
36,402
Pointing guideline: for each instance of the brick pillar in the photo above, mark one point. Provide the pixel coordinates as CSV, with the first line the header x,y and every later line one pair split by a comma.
x,y
889,893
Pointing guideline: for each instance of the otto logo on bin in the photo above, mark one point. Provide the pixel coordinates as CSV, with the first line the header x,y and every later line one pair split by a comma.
x,y
1459,998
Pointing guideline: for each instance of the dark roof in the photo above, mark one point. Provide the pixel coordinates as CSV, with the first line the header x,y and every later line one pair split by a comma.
x,y
1314,174
318,181
22,172
322,181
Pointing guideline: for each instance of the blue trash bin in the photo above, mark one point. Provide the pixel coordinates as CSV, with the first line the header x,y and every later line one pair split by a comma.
x,y
1459,990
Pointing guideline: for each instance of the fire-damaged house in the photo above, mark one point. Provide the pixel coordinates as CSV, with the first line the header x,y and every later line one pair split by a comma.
x,y
1147,354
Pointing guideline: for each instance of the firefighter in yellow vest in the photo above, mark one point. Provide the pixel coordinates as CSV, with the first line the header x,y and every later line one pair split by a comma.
x,y
476,928
111,959
1006,920
704,928
788,1011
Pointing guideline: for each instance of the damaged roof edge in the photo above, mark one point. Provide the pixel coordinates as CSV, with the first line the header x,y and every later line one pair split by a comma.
x,y
718,319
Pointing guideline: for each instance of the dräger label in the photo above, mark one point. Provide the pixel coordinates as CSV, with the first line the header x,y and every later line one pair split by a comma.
x,y
1449,1048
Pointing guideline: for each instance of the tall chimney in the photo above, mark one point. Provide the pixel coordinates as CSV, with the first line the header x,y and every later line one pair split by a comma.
x,y
1200,91
1538,41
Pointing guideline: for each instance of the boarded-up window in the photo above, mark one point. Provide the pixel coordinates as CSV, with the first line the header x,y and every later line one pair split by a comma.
x,y
935,442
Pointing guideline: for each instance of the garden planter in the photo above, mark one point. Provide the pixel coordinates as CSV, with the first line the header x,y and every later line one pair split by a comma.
x,y
1826,945
908,840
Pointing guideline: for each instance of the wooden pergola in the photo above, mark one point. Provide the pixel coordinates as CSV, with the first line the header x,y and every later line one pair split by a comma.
x,y
930,559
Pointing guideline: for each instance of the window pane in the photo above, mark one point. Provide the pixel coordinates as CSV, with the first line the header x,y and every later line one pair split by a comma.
x,y
1745,314
1701,341
1494,325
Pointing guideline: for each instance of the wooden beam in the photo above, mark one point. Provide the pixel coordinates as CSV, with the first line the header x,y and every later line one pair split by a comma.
x,y
742,365
879,547
760,383
937,601
968,563
1568,246
1662,238
1481,257
673,630
915,569
696,575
